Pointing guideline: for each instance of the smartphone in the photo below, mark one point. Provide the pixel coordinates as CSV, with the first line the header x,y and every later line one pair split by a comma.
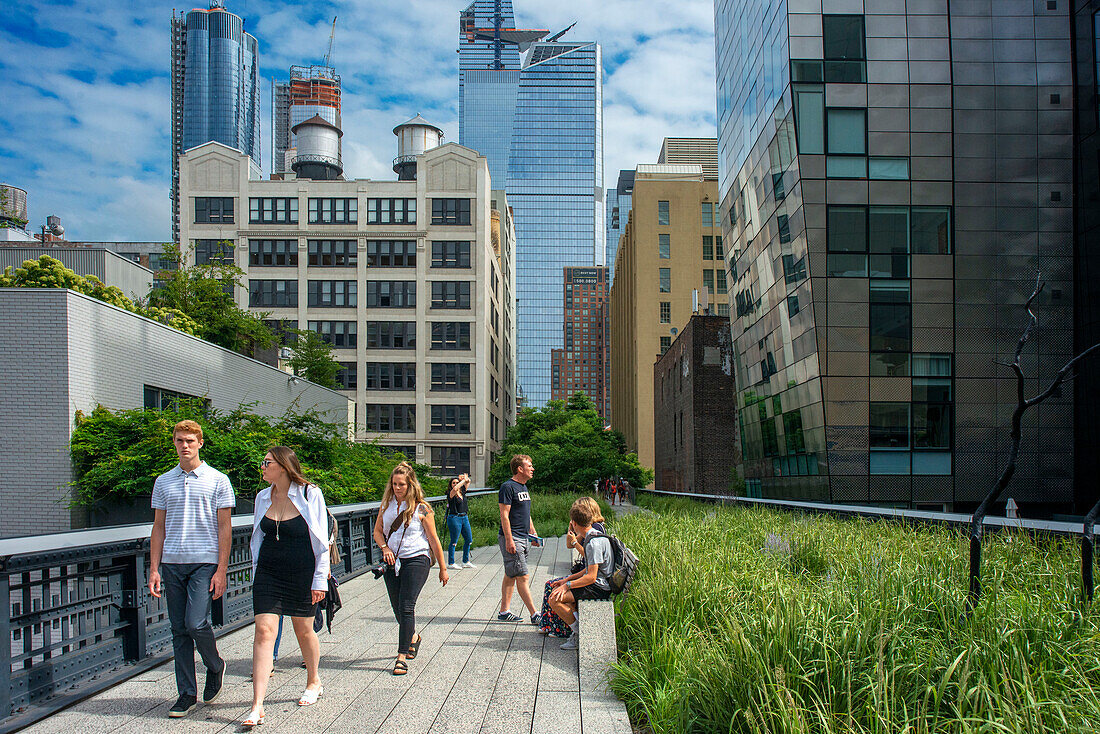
x,y
535,541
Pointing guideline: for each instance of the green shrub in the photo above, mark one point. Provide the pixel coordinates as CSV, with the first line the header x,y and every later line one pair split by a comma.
x,y
118,455
753,620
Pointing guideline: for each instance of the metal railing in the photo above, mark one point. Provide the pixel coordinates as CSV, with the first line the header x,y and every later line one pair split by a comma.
x,y
80,619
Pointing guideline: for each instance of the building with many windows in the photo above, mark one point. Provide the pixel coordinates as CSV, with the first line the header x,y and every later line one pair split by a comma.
x,y
670,259
215,88
310,90
535,108
411,281
584,365
894,175
618,210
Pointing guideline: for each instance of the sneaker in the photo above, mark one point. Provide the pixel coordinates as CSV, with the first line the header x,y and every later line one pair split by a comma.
x,y
560,635
213,685
536,619
570,644
509,617
468,564
454,566
182,706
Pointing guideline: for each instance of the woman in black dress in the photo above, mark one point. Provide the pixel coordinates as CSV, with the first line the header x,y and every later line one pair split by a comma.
x,y
290,569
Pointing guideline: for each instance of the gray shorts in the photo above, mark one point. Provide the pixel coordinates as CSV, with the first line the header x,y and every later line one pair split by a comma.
x,y
515,564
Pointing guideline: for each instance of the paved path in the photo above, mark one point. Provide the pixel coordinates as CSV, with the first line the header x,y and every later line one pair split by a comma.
x,y
473,674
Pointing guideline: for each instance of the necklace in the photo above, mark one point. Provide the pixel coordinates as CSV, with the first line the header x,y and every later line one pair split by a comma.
x,y
278,518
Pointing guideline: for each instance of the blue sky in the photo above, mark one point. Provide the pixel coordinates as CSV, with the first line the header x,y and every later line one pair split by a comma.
x,y
85,101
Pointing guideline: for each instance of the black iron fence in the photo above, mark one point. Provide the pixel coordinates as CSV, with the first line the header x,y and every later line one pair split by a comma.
x,y
80,619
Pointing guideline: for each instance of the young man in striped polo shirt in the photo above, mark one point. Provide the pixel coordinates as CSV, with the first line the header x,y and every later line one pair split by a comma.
x,y
189,551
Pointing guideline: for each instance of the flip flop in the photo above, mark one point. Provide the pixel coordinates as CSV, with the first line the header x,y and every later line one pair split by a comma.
x,y
414,647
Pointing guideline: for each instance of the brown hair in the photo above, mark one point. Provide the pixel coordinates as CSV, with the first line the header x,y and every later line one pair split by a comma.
x,y
517,460
187,426
285,457
593,507
414,493
582,514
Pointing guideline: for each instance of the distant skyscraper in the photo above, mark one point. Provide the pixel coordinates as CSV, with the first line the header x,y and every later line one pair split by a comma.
x,y
584,364
535,109
312,90
215,88
618,211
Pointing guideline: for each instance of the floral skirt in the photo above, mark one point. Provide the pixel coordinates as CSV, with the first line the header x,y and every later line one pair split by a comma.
x,y
552,623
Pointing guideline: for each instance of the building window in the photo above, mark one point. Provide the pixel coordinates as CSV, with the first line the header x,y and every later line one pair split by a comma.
x,y
213,210
408,452
720,283
451,460
450,419
390,375
333,253
708,219
719,253
931,230
333,211
794,271
666,312
269,210
213,252
846,241
722,309
450,294
845,48
450,211
284,330
451,254
890,316
337,334
666,343
708,280
792,305
333,293
273,253
451,377
846,142
391,254
664,247
708,247
665,279
662,212
809,106
450,335
391,211
891,169
888,241
346,376
391,294
387,418
391,335
157,398
272,293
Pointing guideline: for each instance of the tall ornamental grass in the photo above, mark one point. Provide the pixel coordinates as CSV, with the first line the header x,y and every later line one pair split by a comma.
x,y
752,620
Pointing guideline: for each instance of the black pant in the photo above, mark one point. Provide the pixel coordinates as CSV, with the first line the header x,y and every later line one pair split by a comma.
x,y
403,591
187,593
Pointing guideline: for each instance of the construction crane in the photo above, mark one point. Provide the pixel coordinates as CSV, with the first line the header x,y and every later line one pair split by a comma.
x,y
331,40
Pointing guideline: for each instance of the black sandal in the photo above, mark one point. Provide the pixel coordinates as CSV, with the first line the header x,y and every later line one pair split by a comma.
x,y
400,668
414,647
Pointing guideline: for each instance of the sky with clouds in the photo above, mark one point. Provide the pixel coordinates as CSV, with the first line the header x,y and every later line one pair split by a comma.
x,y
85,95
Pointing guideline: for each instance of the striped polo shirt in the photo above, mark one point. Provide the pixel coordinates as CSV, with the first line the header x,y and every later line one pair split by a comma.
x,y
191,501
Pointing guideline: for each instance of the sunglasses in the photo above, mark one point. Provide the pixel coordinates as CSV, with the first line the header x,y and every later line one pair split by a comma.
x,y
266,462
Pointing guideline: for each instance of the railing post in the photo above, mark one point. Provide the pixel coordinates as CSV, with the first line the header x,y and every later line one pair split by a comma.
x,y
5,640
1087,548
132,608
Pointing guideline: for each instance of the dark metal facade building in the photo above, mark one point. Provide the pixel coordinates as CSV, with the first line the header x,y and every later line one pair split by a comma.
x,y
894,174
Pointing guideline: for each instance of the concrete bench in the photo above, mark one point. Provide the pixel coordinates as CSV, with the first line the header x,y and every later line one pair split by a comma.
x,y
601,711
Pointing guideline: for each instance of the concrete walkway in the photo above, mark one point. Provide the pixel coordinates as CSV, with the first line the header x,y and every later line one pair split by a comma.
x,y
473,674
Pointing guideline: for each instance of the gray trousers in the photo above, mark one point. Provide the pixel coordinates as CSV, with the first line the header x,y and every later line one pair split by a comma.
x,y
187,592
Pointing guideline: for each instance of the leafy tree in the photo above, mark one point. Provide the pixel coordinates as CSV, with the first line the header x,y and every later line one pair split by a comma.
x,y
569,447
205,293
312,359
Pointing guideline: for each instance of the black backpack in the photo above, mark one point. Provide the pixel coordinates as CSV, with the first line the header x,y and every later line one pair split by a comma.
x,y
625,562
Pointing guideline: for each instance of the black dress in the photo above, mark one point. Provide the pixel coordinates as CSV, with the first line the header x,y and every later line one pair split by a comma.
x,y
284,572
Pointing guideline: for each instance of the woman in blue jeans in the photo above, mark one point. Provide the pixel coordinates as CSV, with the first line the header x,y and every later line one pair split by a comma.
x,y
458,521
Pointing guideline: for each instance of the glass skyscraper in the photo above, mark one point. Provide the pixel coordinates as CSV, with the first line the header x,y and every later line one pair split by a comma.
x,y
215,87
618,212
535,109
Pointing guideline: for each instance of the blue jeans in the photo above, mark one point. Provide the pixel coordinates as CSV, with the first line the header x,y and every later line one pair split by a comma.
x,y
459,524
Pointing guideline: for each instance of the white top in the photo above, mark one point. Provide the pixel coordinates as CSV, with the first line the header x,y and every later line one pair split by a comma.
x,y
314,512
191,501
411,540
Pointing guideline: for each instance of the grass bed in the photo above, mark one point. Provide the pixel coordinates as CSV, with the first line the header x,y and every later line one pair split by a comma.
x,y
753,620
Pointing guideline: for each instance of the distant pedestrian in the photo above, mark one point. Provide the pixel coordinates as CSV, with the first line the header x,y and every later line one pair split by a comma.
x,y
189,554
405,531
290,570
517,532
592,583
458,521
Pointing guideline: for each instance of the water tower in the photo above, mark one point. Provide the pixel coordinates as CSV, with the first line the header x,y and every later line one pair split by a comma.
x,y
413,138
13,206
318,155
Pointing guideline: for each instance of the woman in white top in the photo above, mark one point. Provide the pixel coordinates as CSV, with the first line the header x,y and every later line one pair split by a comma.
x,y
405,531
290,568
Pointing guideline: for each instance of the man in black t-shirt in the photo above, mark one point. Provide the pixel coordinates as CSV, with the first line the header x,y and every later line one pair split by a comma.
x,y
515,536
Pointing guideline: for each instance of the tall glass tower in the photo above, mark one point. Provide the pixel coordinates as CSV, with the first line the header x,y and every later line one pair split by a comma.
x,y
535,109
215,87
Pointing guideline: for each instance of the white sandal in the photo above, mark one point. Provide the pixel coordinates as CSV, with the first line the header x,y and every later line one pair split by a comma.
x,y
254,719
310,697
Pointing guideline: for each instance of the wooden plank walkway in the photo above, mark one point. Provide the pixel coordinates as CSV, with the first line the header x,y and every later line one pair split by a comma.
x,y
473,674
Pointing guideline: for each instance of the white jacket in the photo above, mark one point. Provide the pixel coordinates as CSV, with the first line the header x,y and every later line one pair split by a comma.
x,y
315,513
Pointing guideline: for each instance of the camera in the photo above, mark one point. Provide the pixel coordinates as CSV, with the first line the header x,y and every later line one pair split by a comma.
x,y
379,570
